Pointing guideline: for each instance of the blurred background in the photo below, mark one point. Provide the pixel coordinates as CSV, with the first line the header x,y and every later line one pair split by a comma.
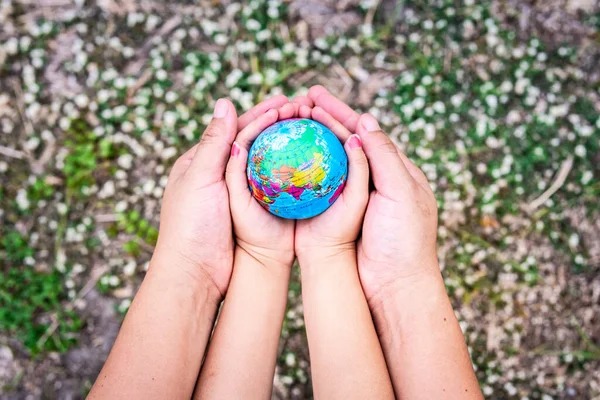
x,y
497,101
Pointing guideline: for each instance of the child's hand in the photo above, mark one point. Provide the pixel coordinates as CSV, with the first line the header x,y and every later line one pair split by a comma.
x,y
267,238
195,238
336,230
400,226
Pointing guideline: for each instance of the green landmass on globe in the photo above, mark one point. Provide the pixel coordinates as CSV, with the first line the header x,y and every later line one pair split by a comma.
x,y
297,168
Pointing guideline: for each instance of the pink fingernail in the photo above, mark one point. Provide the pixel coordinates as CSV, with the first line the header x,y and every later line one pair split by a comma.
x,y
354,142
221,109
235,150
370,123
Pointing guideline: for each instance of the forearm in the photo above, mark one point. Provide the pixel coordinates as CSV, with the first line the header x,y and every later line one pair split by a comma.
x,y
161,344
346,357
241,358
422,341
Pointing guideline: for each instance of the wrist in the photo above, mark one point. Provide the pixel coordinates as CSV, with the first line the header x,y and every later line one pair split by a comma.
x,y
176,273
327,264
417,293
277,263
309,256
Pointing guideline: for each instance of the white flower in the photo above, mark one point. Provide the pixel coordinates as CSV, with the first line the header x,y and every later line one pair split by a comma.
x,y
418,103
255,79
407,78
234,76
521,85
113,280
169,152
221,39
253,25
129,268
456,100
321,43
290,360
274,55
22,200
119,111
491,100
170,119
481,127
586,131
420,91
141,123
11,46
125,161
289,48
586,177
161,75
108,190
271,76
439,107
81,100
124,305
429,132
263,35
170,97
580,150
25,42
408,110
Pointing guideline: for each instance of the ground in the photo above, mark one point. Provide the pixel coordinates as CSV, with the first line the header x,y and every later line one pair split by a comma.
x,y
497,101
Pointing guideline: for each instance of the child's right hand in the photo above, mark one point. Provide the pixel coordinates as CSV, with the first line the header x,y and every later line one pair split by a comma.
x,y
333,233
265,237
398,241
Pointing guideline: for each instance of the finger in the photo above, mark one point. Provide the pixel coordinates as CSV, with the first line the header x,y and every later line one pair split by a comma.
x,y
261,108
356,191
305,111
322,116
247,136
182,163
235,177
303,100
390,176
413,170
210,159
334,106
289,110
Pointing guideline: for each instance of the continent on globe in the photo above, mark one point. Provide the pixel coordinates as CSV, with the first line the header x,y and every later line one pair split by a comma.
x,y
297,168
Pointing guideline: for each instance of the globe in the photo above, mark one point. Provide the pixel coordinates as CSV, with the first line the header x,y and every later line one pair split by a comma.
x,y
297,168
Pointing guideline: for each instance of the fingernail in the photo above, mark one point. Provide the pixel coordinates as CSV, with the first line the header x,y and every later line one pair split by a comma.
x,y
370,123
354,142
221,109
235,149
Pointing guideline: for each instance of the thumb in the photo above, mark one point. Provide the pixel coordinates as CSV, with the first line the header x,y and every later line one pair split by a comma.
x,y
389,173
208,164
235,176
356,192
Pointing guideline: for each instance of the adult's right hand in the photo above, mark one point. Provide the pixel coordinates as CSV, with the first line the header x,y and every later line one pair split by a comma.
x,y
398,242
195,239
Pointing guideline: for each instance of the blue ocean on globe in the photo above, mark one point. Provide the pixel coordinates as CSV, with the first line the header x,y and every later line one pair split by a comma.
x,y
297,168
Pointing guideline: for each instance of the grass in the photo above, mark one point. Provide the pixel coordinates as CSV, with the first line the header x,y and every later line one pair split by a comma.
x,y
489,114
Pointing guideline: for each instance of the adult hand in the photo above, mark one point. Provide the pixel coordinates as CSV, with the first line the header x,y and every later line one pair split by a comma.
x,y
195,227
399,231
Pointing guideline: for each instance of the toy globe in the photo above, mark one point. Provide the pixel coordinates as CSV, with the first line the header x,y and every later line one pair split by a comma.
x,y
297,168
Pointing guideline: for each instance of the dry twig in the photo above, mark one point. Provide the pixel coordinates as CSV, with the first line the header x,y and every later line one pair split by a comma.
x,y
560,179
